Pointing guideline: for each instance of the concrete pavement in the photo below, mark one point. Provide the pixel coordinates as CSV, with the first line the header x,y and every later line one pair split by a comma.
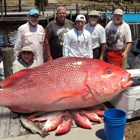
x,y
96,133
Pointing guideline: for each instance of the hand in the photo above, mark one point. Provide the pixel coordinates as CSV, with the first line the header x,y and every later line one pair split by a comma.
x,y
124,55
49,58
101,57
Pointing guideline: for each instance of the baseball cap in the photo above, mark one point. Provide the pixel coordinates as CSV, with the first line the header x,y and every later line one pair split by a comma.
x,y
118,12
26,48
33,11
94,13
80,18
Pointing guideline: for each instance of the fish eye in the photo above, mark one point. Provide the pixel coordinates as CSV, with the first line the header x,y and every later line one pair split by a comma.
x,y
108,70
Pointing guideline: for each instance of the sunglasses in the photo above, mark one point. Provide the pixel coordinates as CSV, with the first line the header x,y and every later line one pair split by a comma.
x,y
26,52
33,16
93,16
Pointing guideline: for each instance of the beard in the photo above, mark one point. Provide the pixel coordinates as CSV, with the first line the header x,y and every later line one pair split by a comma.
x,y
34,23
117,21
93,22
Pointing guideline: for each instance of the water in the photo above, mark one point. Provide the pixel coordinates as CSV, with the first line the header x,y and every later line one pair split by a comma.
x,y
8,36
8,33
129,18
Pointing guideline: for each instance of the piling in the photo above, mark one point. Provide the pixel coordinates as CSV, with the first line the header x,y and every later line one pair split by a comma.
x,y
8,58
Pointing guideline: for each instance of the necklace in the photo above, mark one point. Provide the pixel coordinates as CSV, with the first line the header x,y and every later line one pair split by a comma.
x,y
77,33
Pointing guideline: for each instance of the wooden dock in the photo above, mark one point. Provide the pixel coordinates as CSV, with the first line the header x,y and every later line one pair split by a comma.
x,y
10,127
16,19
46,15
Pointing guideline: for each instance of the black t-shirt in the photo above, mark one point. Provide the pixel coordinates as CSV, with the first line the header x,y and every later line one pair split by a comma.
x,y
57,34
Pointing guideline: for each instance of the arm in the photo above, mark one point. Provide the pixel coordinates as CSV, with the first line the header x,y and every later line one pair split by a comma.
x,y
102,36
128,42
89,48
47,45
103,47
66,45
128,46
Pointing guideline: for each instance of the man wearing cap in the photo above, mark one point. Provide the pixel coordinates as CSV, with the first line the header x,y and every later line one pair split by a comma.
x,y
55,32
97,32
77,42
118,36
25,60
31,34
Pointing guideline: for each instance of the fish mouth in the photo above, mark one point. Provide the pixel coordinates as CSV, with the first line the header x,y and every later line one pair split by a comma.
x,y
125,83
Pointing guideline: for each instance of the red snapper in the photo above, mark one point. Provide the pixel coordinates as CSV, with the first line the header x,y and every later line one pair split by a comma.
x,y
62,84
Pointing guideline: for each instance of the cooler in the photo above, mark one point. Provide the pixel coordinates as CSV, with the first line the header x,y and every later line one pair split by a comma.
x,y
129,99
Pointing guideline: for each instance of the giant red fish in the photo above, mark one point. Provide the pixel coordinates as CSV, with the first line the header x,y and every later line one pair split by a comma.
x,y
63,84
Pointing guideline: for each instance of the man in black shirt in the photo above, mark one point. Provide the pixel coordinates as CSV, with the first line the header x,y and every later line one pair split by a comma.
x,y
55,32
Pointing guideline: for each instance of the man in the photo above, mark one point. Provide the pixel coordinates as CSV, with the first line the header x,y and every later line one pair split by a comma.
x,y
31,34
55,32
97,32
118,36
77,42
25,60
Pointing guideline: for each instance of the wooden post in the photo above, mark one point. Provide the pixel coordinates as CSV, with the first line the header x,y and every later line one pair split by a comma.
x,y
70,14
8,58
106,20
113,9
5,7
43,8
47,18
19,5
135,10
1,8
87,11
54,13
39,6
77,12
137,31
106,10
126,9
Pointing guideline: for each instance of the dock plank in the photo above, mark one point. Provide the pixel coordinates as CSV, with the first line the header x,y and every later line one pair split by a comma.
x,y
5,123
14,19
14,129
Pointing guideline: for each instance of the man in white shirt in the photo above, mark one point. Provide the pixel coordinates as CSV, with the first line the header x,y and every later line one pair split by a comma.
x,y
118,35
77,42
31,34
98,36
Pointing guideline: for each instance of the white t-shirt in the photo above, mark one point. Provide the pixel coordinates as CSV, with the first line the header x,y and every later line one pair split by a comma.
x,y
98,35
77,44
117,36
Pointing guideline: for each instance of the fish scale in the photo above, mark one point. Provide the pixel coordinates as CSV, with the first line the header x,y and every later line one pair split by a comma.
x,y
63,84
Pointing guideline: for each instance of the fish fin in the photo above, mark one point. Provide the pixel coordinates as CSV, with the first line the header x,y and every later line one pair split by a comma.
x,y
12,78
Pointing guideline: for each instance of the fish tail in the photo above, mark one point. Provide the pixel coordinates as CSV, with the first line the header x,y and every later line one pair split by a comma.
x,y
43,134
12,78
